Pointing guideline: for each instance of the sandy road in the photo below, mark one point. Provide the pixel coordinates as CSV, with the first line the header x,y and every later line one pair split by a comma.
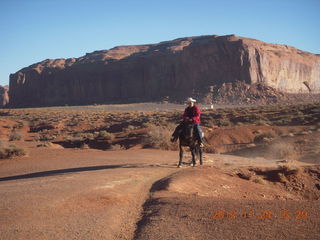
x,y
93,194
75,194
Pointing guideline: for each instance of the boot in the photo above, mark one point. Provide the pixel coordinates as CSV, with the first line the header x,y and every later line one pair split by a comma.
x,y
200,143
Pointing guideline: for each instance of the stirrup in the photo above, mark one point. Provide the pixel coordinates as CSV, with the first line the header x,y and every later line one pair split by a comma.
x,y
200,143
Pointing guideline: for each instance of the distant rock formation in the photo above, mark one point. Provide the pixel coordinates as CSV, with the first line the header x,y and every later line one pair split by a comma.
x,y
172,70
4,96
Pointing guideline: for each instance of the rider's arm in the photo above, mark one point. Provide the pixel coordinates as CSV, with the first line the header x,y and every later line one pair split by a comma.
x,y
184,116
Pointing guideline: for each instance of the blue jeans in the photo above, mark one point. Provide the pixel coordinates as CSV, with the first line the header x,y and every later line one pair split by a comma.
x,y
198,131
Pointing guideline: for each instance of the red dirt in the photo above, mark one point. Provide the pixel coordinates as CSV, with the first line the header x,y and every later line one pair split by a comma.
x,y
71,193
91,194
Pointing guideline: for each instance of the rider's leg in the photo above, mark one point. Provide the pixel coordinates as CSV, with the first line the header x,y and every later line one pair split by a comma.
x,y
199,134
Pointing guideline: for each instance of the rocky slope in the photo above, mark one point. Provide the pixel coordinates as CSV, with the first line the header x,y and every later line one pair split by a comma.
x,y
172,70
4,96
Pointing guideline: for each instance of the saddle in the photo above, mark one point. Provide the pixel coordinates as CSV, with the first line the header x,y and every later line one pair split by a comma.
x,y
188,125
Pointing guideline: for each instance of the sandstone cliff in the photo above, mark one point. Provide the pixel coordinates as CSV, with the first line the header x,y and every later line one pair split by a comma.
x,y
173,69
4,96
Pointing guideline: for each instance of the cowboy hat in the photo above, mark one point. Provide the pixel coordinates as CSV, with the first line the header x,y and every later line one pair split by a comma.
x,y
190,99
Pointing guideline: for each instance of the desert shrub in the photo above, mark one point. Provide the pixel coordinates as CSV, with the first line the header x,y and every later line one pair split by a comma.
x,y
104,135
15,135
116,147
208,123
10,151
73,138
280,132
288,169
159,137
289,173
129,128
73,122
84,146
211,149
146,125
19,124
264,136
282,122
299,119
245,174
259,180
282,150
293,130
281,177
83,136
89,136
315,110
303,133
45,136
45,144
225,122
261,122
36,126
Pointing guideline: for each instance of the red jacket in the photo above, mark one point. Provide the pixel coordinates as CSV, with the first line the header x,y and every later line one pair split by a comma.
x,y
193,113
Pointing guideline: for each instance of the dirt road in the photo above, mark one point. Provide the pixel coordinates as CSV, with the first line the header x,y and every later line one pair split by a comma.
x,y
74,194
137,194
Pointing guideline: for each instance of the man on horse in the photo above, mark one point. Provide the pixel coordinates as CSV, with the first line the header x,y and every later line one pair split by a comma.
x,y
191,114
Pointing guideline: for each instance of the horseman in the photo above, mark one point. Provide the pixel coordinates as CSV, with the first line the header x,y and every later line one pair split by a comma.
x,y
191,114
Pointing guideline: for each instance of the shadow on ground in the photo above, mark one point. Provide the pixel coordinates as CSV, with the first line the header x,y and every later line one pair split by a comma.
x,y
81,169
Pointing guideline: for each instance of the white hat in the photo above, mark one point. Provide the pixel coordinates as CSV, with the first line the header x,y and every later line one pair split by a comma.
x,y
190,99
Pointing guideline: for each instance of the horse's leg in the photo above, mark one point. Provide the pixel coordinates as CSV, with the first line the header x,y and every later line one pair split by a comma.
x,y
197,152
180,155
193,152
200,155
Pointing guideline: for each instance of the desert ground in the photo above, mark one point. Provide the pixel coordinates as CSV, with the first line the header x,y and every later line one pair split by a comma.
x,y
110,172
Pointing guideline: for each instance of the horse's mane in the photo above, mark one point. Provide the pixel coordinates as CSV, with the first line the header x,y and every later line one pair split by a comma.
x,y
187,135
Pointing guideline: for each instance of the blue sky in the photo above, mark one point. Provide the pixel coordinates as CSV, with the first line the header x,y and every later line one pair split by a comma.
x,y
34,30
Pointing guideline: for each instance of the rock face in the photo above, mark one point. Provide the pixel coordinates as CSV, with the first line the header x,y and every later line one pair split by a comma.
x,y
4,96
172,70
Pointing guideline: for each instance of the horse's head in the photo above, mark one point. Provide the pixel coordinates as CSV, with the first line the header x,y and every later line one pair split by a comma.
x,y
187,131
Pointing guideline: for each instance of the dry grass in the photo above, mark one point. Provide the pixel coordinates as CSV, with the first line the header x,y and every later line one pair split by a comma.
x,y
159,137
84,146
10,151
45,136
288,169
45,144
259,180
282,150
15,135
211,149
282,178
91,123
280,132
116,147
104,135
264,137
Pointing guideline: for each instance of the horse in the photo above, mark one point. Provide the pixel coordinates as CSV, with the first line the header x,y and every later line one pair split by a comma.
x,y
188,138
